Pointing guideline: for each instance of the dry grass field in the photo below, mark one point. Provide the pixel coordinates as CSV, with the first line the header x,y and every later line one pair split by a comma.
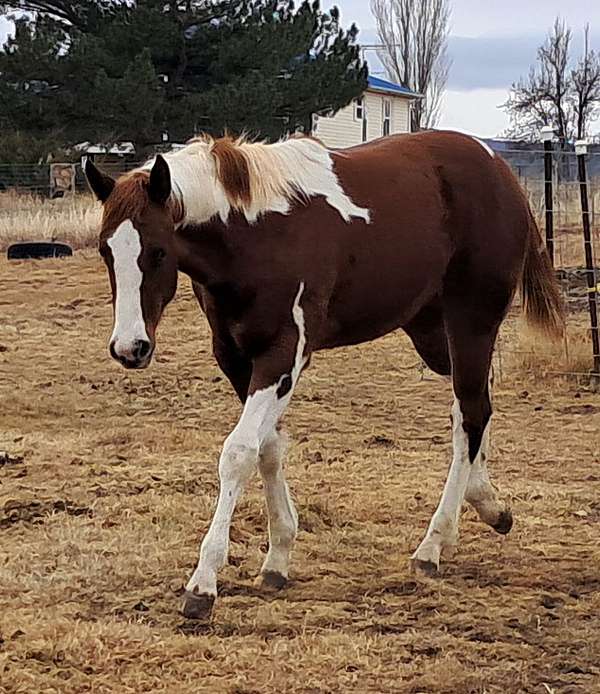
x,y
24,217
110,479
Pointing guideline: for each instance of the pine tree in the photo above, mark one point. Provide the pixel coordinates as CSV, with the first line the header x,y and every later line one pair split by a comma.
x,y
103,70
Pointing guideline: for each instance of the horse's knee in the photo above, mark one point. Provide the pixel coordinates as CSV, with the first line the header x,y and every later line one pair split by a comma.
x,y
238,459
272,452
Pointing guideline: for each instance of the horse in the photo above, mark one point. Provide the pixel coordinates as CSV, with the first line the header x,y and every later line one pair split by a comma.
x,y
292,248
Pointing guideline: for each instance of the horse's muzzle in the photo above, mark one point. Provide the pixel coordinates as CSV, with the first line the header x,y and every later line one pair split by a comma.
x,y
134,355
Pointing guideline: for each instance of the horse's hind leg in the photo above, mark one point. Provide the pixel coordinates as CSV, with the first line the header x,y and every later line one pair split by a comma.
x,y
480,492
471,327
428,334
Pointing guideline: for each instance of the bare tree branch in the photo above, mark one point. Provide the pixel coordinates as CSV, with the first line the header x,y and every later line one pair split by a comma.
x,y
586,87
552,94
415,35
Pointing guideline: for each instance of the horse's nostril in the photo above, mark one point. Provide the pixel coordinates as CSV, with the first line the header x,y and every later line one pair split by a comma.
x,y
111,349
141,349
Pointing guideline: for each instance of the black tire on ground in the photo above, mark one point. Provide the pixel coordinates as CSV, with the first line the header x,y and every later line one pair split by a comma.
x,y
38,249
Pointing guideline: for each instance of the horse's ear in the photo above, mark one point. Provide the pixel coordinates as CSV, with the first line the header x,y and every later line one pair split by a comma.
x,y
100,183
159,186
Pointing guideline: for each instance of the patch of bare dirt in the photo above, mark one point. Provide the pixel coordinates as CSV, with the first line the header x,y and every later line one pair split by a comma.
x,y
109,482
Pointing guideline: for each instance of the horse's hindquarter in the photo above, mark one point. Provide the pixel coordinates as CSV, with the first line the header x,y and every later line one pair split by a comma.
x,y
433,197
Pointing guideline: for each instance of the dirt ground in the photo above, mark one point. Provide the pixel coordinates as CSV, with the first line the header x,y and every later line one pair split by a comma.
x,y
101,519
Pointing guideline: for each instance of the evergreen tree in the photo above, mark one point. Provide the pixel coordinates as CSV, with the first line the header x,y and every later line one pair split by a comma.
x,y
104,70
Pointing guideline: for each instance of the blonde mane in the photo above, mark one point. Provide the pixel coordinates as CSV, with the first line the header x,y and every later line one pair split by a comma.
x,y
211,177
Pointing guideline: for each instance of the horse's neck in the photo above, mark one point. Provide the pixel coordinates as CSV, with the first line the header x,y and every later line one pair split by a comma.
x,y
203,253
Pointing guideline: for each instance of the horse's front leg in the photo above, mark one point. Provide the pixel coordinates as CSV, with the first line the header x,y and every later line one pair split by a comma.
x,y
274,376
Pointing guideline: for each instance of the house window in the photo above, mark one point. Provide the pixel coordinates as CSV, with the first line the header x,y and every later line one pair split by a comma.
x,y
387,116
359,108
315,123
360,114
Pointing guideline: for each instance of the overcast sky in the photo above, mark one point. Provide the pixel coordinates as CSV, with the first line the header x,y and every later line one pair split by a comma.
x,y
492,43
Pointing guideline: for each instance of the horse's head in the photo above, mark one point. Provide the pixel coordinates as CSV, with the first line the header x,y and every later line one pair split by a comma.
x,y
137,244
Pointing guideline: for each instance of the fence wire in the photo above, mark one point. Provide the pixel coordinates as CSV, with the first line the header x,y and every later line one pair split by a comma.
x,y
574,356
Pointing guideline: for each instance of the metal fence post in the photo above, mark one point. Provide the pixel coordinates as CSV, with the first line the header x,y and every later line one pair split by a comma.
x,y
547,135
581,148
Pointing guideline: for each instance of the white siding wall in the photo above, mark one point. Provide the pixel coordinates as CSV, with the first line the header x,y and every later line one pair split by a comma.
x,y
344,130
374,104
400,115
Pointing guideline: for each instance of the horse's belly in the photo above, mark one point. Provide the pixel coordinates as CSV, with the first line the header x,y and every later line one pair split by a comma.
x,y
363,311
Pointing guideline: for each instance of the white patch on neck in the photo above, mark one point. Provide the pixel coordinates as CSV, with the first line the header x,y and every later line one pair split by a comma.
x,y
485,146
129,325
298,315
293,170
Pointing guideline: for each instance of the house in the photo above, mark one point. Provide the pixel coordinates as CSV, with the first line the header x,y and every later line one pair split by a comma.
x,y
384,109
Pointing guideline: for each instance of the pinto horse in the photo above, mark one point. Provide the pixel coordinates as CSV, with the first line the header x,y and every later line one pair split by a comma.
x,y
293,248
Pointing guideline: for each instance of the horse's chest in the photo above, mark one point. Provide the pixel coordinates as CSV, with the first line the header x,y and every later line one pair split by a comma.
x,y
229,300
240,315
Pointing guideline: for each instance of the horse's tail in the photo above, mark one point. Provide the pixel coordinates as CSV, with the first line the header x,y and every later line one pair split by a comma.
x,y
542,302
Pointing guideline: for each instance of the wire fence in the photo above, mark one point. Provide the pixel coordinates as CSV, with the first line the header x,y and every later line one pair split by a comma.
x,y
579,276
578,272
40,179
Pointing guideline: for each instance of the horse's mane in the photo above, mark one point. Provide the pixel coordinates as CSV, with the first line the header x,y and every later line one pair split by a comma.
x,y
127,199
213,176
256,176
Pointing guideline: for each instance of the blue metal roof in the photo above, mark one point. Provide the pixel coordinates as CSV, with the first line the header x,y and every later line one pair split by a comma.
x,y
385,86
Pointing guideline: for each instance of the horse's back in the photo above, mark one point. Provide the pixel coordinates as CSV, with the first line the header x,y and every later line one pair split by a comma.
x,y
449,179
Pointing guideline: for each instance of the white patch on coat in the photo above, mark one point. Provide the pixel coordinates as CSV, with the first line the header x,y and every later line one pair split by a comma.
x,y
255,429
129,326
282,173
480,492
485,146
443,528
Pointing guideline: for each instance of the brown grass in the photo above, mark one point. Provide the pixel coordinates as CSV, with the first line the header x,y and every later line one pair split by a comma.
x,y
526,353
74,219
570,249
100,522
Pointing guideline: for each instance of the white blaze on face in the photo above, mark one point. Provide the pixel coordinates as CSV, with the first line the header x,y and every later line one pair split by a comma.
x,y
129,325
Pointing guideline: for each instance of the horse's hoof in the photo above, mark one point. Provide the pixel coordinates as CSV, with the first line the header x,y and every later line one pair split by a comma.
x,y
504,523
271,581
197,606
424,567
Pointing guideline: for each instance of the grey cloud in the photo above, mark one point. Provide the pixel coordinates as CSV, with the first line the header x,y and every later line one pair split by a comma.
x,y
485,62
496,62
489,62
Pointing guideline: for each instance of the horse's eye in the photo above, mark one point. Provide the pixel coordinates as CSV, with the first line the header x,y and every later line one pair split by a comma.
x,y
157,256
